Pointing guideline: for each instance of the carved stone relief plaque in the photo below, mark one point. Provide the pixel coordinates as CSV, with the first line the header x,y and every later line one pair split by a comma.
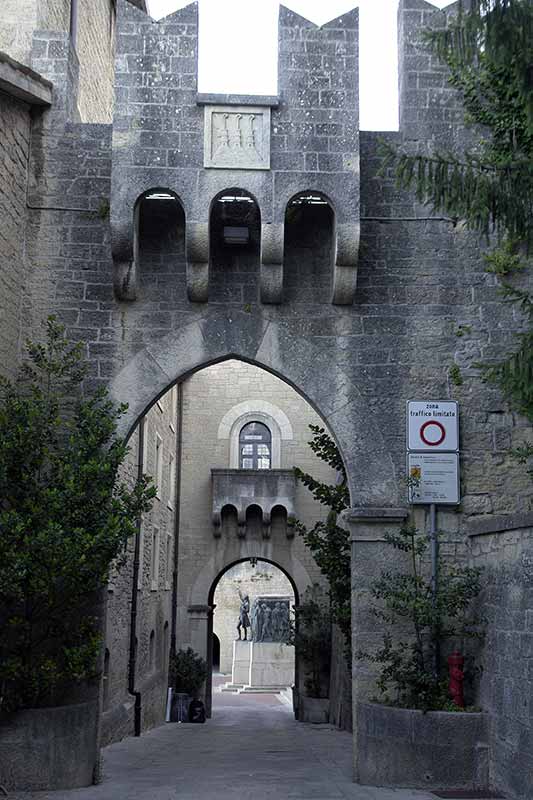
x,y
237,137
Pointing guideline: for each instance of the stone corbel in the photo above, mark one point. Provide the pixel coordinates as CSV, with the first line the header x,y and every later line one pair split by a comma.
x,y
217,524
346,262
241,524
266,525
271,280
291,519
125,257
197,243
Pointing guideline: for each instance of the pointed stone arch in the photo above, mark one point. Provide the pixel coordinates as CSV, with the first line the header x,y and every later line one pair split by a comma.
x,y
278,348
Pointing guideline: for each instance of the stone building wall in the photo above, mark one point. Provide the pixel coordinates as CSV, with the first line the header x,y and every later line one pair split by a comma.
x,y
14,153
506,690
207,397
95,46
255,581
154,587
19,19
53,15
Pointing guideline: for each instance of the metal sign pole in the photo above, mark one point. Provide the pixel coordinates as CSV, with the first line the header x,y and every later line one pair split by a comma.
x,y
434,539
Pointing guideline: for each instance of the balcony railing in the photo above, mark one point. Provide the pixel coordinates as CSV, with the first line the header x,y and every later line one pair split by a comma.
x,y
238,491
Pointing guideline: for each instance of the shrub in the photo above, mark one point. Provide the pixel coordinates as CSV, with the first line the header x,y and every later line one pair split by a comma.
x,y
64,519
188,671
405,601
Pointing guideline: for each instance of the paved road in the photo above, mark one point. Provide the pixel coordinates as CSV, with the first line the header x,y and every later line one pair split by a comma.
x,y
252,749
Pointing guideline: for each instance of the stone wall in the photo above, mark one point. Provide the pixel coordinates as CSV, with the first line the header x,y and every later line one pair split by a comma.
x,y
262,580
14,153
506,689
54,15
19,19
154,588
95,46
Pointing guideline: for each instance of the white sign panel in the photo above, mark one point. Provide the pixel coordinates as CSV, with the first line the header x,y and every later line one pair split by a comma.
x,y
432,426
433,477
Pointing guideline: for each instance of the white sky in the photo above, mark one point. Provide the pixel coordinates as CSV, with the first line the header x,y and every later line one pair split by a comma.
x,y
238,48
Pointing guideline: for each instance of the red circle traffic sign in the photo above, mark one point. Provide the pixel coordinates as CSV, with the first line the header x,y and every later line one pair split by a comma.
x,y
441,433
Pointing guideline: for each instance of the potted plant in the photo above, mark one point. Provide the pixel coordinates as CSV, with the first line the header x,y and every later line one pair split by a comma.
x,y
429,739
187,674
310,634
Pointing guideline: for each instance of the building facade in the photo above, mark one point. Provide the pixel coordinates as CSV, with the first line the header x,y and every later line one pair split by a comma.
x,y
346,288
139,619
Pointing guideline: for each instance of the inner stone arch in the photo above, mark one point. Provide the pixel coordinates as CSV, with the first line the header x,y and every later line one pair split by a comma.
x,y
260,581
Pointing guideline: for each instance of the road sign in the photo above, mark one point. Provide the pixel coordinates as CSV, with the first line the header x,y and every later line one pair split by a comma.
x,y
433,478
432,426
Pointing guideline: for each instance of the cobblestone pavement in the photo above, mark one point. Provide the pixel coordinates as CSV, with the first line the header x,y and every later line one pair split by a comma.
x,y
252,749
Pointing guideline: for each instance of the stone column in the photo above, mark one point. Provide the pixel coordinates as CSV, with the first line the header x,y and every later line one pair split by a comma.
x,y
200,633
370,555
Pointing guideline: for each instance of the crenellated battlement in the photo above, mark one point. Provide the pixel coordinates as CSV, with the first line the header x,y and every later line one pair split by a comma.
x,y
305,141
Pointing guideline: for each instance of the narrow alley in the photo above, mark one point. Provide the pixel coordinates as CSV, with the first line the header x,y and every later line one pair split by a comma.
x,y
252,749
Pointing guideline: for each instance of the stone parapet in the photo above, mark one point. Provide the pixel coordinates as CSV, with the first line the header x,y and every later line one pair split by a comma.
x,y
402,747
242,488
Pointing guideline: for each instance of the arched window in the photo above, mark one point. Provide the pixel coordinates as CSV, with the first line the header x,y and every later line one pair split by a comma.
x,y
255,446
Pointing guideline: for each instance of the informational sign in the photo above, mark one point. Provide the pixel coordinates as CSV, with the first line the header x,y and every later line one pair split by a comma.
x,y
433,478
432,426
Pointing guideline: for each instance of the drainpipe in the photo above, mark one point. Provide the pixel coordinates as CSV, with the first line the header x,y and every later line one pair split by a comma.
x,y
134,595
179,441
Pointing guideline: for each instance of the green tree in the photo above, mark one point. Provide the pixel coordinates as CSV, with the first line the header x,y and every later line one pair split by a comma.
x,y
64,519
310,634
421,621
329,543
488,48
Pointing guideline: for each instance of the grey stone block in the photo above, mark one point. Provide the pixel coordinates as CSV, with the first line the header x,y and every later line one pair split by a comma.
x,y
49,748
399,747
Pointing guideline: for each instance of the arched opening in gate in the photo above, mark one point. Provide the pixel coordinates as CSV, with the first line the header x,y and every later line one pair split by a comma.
x,y
234,246
160,242
309,247
252,604
220,445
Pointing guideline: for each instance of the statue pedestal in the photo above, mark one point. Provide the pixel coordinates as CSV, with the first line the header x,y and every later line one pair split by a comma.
x,y
262,665
240,669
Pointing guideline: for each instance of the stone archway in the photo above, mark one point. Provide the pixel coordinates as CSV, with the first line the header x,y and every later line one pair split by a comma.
x,y
299,580
275,346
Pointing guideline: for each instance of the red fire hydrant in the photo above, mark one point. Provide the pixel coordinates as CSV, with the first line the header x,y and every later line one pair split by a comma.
x,y
455,666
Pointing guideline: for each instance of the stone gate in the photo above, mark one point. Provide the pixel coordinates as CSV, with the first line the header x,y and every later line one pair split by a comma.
x,y
348,289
